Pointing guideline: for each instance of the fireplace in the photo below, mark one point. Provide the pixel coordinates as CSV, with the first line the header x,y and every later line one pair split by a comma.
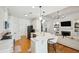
x,y
65,33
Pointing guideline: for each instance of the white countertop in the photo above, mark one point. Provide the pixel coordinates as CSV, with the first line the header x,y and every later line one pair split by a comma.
x,y
44,36
40,42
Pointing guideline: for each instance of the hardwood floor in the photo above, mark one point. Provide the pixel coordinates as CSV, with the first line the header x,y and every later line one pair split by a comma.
x,y
24,44
61,49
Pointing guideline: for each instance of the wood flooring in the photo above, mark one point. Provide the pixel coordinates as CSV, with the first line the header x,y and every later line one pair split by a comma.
x,y
61,49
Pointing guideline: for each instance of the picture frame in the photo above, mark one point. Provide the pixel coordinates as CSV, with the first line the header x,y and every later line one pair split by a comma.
x,y
76,25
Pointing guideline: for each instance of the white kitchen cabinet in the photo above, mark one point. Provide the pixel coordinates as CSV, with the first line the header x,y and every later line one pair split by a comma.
x,y
39,45
72,43
6,46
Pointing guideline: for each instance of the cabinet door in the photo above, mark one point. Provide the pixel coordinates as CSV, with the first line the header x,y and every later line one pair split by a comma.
x,y
33,46
41,46
6,46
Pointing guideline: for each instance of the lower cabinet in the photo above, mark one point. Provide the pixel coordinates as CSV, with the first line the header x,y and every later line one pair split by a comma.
x,y
6,46
39,45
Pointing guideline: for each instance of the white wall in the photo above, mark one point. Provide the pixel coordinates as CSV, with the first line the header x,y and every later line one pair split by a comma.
x,y
73,17
18,26
5,45
36,24
23,23
14,26
3,15
51,22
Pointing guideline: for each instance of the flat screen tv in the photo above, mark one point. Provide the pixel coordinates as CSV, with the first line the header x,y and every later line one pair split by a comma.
x,y
66,23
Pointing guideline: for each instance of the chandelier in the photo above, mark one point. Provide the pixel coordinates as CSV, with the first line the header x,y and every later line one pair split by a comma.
x,y
41,17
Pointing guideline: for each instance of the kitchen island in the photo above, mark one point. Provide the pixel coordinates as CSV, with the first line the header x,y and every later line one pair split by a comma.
x,y
39,43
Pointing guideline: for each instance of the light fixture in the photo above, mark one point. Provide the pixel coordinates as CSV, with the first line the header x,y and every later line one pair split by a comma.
x,y
33,6
59,15
25,15
57,22
6,13
54,29
43,21
5,19
40,18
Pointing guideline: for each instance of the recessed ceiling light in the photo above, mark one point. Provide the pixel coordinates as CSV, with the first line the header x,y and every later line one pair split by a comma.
x,y
5,19
25,15
40,18
33,6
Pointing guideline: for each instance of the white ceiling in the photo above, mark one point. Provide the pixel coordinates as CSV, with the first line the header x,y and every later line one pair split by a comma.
x,y
71,12
19,11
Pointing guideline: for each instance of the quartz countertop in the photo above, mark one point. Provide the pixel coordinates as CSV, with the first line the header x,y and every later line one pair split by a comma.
x,y
44,36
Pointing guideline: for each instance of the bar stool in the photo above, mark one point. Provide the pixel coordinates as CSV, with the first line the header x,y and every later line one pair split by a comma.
x,y
53,42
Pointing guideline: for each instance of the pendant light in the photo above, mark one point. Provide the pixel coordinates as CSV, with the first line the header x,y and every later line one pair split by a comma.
x,y
41,17
42,12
